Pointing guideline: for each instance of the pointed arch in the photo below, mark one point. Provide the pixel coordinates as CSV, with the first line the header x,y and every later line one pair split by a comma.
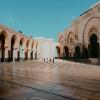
x,y
21,49
13,39
3,36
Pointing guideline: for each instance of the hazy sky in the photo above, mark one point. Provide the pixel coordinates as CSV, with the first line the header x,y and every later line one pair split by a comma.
x,y
41,18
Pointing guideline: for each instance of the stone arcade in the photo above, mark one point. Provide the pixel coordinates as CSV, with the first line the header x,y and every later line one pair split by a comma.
x,y
15,46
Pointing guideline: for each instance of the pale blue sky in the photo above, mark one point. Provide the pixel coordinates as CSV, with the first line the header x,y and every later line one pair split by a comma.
x,y
41,18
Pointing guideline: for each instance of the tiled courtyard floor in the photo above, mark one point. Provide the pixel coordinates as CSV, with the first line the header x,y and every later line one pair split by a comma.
x,y
35,80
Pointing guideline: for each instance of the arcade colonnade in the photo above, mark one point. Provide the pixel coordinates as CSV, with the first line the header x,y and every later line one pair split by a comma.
x,y
16,46
82,38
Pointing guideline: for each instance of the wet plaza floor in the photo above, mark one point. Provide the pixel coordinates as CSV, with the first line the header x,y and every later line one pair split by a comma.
x,y
11,91
35,80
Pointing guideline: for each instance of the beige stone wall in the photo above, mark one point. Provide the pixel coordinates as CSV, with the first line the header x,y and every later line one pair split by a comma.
x,y
9,34
82,28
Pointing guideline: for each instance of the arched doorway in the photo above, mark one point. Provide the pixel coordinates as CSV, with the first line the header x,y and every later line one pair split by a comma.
x,y
66,52
32,51
77,52
58,51
21,49
13,39
26,53
94,46
2,45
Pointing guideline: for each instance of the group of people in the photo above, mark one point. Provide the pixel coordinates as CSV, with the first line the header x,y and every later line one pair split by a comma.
x,y
46,60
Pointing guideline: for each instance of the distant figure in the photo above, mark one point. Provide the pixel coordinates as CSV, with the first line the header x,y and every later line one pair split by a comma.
x,y
53,60
44,60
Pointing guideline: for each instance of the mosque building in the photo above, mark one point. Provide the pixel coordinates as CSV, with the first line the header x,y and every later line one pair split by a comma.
x,y
82,38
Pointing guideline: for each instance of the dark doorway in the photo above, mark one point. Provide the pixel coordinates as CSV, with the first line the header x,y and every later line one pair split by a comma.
x,y
27,45
2,40
58,52
77,52
26,55
94,46
31,53
18,55
36,56
66,52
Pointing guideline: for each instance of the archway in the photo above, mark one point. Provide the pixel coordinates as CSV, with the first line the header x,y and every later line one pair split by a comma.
x,y
27,47
32,51
71,38
88,25
21,49
77,52
58,51
13,39
94,46
2,45
66,52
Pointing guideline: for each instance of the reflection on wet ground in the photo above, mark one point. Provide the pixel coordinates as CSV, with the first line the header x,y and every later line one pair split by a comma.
x,y
34,80
10,91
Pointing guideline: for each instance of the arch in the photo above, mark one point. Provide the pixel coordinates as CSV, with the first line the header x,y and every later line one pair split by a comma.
x,y
32,45
86,27
27,50
13,39
32,51
3,36
21,41
58,51
71,38
4,33
27,43
21,49
66,52
93,30
94,46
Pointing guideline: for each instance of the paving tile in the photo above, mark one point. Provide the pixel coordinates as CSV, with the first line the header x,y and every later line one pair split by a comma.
x,y
63,80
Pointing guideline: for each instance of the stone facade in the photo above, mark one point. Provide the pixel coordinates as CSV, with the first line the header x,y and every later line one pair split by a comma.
x,y
82,38
17,46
